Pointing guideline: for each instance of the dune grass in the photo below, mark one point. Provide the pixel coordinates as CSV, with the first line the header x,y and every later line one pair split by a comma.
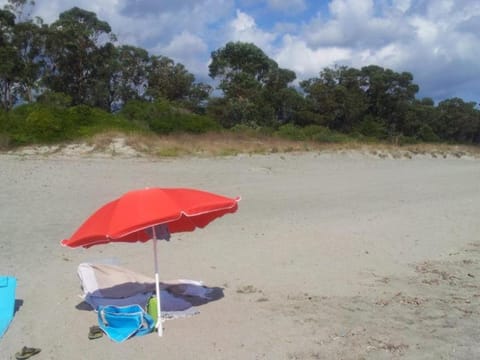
x,y
228,143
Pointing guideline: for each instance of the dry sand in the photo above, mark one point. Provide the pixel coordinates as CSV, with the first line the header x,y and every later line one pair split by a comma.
x,y
330,256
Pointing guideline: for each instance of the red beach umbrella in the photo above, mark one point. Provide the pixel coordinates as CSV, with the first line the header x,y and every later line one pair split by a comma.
x,y
151,213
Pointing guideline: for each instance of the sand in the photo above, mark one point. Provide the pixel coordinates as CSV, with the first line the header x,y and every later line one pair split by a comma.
x,y
330,256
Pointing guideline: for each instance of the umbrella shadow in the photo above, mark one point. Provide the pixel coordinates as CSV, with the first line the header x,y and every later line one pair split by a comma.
x,y
196,295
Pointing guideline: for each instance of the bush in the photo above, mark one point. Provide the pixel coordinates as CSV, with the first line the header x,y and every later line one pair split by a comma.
x,y
41,123
81,115
291,132
47,125
163,118
312,132
372,127
426,133
35,123
306,117
324,135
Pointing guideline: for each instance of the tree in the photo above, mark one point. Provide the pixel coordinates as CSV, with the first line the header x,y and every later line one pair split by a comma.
x,y
168,80
239,62
29,42
21,9
242,69
129,77
253,85
197,97
458,121
389,95
21,51
338,98
284,100
10,66
79,45
421,121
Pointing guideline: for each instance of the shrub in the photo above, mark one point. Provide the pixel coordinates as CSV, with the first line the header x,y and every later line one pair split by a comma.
x,y
323,134
32,123
163,118
372,127
426,133
46,124
291,132
55,99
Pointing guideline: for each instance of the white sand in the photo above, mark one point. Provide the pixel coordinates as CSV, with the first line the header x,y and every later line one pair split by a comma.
x,y
330,256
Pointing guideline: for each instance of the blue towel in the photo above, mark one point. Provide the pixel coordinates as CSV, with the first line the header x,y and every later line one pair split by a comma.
x,y
8,285
123,322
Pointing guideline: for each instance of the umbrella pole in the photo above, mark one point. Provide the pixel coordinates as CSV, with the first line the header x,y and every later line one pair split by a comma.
x,y
157,285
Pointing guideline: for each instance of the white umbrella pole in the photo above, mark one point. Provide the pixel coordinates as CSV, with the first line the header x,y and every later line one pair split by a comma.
x,y
157,285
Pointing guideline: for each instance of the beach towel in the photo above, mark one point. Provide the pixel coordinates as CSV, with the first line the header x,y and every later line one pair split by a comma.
x,y
8,285
105,284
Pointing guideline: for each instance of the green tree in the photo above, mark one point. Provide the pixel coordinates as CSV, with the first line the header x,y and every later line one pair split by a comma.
x,y
168,80
255,88
10,66
197,97
129,78
29,42
338,98
458,121
285,100
388,95
237,63
79,45
421,120
21,9
22,52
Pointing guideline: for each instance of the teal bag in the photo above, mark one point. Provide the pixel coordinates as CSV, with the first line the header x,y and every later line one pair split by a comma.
x,y
123,322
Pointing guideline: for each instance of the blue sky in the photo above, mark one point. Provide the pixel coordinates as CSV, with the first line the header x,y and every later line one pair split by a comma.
x,y
438,41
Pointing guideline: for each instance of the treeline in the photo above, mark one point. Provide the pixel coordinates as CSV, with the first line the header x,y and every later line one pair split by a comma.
x,y
58,80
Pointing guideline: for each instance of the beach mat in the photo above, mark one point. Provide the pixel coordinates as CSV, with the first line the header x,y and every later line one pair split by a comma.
x,y
8,285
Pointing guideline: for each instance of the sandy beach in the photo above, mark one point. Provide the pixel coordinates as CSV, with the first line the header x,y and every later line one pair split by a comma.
x,y
330,256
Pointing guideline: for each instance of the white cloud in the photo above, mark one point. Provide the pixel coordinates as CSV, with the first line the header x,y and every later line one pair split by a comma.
x,y
354,24
244,28
426,30
187,48
186,44
296,55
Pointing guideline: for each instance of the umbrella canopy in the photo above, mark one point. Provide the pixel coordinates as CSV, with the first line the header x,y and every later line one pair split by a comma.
x,y
151,213
131,217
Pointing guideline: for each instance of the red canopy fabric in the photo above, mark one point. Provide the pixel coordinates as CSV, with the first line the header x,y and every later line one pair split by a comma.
x,y
127,218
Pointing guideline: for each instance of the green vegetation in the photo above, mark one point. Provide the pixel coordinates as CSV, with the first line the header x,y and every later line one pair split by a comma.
x,y
69,80
163,118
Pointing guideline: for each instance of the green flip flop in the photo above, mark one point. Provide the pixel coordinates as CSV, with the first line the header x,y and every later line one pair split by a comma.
x,y
95,332
26,352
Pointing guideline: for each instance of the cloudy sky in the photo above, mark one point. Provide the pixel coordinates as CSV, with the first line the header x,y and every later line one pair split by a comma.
x,y
438,41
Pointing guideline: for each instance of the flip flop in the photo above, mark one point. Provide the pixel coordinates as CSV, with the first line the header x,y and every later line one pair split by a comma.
x,y
26,353
95,332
